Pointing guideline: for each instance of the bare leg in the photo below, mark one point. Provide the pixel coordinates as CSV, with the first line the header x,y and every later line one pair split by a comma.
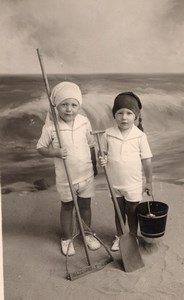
x,y
66,220
121,203
85,210
132,216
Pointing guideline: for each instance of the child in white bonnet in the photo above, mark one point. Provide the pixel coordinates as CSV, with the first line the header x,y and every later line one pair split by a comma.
x,y
78,149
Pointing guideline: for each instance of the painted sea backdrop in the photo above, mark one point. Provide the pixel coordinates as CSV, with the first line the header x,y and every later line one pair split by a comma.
x,y
24,106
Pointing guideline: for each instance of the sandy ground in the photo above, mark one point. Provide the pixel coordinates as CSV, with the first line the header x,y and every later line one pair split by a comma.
x,y
34,267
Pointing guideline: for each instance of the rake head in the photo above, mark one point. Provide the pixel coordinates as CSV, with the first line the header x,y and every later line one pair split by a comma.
x,y
87,270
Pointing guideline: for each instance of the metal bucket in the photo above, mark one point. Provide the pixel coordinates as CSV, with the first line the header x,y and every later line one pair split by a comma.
x,y
152,225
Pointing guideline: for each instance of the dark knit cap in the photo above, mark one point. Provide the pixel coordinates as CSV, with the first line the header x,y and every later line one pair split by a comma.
x,y
127,100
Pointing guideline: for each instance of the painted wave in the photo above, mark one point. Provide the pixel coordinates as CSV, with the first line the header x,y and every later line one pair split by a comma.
x,y
21,124
160,112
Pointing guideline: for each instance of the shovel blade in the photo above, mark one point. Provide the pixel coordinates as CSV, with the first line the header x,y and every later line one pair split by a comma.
x,y
130,253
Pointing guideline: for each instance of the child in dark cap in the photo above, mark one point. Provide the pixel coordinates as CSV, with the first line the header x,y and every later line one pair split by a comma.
x,y
128,157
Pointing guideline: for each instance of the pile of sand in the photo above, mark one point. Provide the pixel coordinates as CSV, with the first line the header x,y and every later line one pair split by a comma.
x,y
34,267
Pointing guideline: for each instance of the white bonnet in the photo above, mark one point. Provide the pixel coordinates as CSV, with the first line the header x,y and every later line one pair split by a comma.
x,y
65,90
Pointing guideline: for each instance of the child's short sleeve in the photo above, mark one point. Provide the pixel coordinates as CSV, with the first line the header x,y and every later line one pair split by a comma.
x,y
46,138
89,135
145,148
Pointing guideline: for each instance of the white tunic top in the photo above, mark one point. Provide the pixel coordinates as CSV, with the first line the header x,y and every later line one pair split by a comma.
x,y
78,141
124,157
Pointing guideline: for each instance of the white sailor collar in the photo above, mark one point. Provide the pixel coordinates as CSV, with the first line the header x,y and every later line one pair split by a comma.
x,y
115,132
79,121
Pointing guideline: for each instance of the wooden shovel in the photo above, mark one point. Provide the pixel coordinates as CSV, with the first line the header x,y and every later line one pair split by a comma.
x,y
129,249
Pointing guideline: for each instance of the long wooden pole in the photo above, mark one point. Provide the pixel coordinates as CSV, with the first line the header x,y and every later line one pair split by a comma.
x,y
113,195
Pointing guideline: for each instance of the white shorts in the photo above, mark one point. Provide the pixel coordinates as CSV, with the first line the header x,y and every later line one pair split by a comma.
x,y
83,189
133,195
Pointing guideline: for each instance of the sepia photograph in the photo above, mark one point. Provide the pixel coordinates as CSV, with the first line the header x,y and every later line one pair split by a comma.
x,y
91,113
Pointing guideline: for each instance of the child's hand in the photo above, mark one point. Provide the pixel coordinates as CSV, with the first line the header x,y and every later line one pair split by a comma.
x,y
102,161
63,153
60,152
148,189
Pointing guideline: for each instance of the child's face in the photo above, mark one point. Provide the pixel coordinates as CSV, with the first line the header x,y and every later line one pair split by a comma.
x,y
124,118
68,109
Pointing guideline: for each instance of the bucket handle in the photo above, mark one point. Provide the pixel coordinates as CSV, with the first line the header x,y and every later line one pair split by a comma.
x,y
149,210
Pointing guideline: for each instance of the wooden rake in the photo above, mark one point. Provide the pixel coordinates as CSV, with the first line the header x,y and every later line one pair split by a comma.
x,y
91,267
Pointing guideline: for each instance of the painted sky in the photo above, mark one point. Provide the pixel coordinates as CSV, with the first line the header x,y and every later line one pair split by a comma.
x,y
92,36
